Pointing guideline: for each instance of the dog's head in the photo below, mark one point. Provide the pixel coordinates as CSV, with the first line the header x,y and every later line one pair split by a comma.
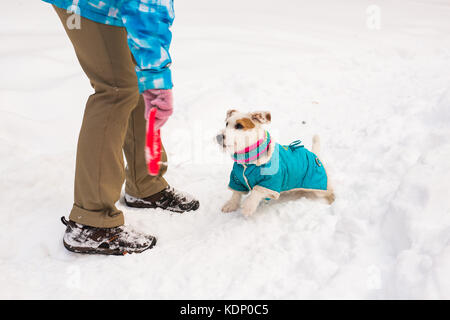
x,y
242,129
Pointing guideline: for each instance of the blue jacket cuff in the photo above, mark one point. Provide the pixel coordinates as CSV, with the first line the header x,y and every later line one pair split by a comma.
x,y
148,79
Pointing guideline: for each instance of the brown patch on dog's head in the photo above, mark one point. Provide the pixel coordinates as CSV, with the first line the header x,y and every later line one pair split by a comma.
x,y
261,116
230,113
244,124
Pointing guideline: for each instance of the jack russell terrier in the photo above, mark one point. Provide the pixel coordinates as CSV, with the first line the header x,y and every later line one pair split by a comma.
x,y
265,168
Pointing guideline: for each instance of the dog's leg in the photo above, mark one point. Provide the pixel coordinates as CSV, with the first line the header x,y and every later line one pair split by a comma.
x,y
316,145
330,197
234,203
252,201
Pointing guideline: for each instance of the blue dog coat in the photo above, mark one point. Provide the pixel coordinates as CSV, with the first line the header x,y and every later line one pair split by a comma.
x,y
290,167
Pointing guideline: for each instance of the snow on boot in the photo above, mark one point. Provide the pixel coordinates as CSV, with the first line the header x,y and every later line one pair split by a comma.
x,y
110,241
167,199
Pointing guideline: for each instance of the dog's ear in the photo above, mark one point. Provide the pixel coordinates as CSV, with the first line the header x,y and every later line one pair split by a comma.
x,y
261,116
230,113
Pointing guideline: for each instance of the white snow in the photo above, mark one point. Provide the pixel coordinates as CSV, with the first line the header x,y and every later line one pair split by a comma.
x,y
377,93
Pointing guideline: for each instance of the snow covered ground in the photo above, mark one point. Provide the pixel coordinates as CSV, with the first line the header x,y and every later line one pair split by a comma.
x,y
371,77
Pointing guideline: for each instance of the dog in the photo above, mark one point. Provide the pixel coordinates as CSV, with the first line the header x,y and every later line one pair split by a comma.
x,y
264,168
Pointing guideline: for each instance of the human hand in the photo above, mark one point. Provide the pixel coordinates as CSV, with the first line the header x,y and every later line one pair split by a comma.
x,y
162,100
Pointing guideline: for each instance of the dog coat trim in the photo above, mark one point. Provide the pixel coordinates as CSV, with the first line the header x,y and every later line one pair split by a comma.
x,y
290,167
270,193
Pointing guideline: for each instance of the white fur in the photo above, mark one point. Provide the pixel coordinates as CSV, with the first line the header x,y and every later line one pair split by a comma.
x,y
238,139
234,203
316,145
252,201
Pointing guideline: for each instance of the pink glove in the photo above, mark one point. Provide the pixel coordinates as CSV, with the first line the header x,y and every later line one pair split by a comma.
x,y
162,99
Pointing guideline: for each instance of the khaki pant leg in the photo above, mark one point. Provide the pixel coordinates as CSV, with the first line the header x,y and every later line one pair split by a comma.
x,y
139,183
104,55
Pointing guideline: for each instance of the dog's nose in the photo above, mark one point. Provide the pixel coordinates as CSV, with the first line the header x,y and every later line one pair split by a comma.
x,y
220,138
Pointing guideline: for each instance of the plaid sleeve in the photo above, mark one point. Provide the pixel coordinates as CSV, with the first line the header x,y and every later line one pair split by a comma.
x,y
148,27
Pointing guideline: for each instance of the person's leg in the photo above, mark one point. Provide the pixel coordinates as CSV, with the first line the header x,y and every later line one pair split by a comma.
x,y
139,183
104,55
141,189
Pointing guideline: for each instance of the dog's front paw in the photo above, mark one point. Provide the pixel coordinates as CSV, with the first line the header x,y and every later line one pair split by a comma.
x,y
230,206
248,208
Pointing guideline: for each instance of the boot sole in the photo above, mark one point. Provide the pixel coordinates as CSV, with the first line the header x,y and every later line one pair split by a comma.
x,y
143,205
109,252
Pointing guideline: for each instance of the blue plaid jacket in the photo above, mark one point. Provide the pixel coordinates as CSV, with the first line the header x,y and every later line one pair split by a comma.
x,y
147,23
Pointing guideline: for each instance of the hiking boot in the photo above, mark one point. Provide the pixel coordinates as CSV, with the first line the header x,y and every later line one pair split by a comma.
x,y
110,241
167,199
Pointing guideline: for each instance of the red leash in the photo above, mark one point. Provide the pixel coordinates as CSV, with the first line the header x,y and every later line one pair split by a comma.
x,y
153,145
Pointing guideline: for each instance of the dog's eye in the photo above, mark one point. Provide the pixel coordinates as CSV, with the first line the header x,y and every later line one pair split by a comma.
x,y
238,126
226,125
